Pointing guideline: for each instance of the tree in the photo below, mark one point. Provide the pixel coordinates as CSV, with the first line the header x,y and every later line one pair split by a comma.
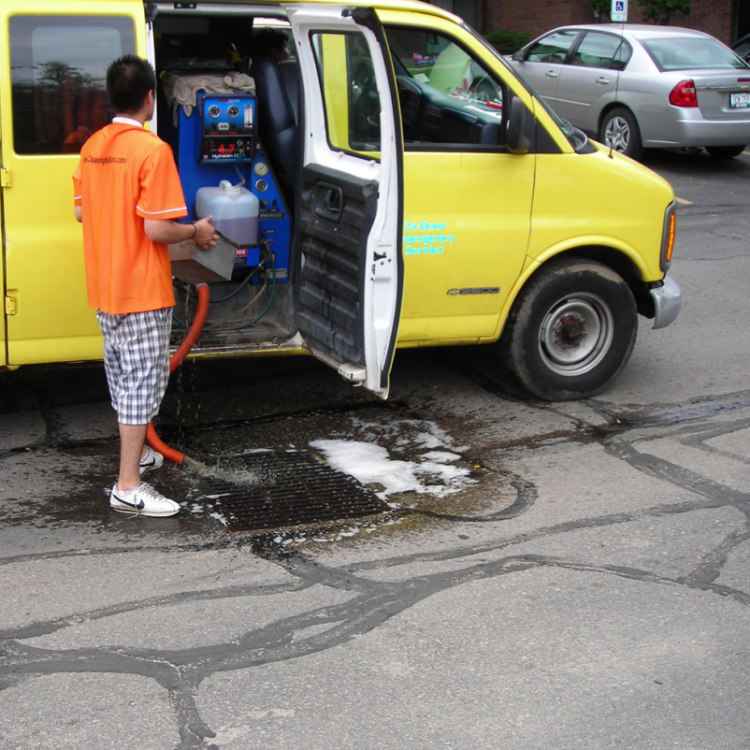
x,y
507,42
601,8
661,11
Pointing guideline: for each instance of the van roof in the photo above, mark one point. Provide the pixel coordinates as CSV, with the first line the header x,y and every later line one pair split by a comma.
x,y
264,6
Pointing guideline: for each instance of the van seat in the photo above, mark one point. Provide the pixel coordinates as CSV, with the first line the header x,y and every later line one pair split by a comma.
x,y
290,73
277,123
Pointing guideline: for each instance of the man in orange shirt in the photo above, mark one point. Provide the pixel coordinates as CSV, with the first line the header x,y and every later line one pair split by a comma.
x,y
128,195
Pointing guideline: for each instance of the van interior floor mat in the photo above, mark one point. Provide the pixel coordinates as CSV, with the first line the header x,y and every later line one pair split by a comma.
x,y
273,489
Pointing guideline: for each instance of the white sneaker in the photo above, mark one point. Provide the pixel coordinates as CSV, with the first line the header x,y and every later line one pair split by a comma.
x,y
152,460
142,500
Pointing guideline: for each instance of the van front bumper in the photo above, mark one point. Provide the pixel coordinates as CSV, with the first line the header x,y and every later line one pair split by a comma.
x,y
667,300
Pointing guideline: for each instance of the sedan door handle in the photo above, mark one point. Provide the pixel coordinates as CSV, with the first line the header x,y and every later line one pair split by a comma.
x,y
602,80
551,74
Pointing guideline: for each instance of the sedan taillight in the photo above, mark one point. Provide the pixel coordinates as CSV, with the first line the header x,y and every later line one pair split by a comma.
x,y
683,94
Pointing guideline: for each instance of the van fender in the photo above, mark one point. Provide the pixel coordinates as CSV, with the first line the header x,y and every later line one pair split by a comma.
x,y
532,265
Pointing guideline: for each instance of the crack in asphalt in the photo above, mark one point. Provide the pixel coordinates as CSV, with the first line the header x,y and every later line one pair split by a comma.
x,y
181,671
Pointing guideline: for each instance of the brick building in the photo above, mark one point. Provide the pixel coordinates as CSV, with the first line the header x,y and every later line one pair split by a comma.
x,y
727,20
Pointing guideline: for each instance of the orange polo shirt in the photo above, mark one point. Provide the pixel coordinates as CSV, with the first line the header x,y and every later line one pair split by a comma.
x,y
126,174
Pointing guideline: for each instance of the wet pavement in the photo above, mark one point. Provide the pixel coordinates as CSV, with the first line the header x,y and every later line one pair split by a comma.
x,y
574,580
545,575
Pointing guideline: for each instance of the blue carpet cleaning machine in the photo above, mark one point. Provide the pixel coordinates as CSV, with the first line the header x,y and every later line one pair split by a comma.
x,y
225,174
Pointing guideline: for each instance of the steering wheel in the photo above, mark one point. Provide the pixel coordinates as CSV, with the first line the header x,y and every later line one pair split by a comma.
x,y
483,88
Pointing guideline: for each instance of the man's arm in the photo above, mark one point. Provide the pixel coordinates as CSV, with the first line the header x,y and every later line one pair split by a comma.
x,y
79,213
168,232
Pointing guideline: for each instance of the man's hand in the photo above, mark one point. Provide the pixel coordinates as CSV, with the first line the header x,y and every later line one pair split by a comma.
x,y
169,232
205,234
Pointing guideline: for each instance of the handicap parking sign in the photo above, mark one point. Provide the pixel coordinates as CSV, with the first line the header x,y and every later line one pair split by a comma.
x,y
619,12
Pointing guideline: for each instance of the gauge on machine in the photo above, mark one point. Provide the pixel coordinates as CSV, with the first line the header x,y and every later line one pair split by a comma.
x,y
233,110
261,186
260,168
214,110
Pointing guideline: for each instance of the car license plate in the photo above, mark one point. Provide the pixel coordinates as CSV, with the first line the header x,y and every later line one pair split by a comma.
x,y
739,100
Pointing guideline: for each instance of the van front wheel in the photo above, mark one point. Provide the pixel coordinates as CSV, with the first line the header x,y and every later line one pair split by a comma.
x,y
571,330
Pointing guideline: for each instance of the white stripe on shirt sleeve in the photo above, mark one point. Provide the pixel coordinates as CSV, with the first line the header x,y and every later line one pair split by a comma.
x,y
166,211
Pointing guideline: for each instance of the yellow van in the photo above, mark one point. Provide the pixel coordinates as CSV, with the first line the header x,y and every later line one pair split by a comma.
x,y
409,190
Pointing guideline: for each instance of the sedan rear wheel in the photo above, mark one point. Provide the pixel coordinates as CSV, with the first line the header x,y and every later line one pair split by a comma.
x,y
621,133
725,152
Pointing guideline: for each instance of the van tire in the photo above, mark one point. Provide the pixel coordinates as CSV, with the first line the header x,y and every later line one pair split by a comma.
x,y
620,131
587,303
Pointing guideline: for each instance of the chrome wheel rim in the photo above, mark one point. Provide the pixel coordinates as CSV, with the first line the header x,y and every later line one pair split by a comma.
x,y
576,334
617,134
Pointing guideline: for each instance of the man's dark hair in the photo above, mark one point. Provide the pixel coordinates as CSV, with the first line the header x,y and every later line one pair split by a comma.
x,y
267,39
129,79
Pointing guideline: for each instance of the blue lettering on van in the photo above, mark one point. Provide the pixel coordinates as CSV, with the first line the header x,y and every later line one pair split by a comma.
x,y
429,239
411,250
424,226
419,237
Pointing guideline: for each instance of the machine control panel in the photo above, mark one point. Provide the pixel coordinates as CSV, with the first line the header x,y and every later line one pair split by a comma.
x,y
216,142
227,128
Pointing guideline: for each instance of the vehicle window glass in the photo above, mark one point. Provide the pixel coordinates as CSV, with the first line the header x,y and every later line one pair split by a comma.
x,y
553,47
58,69
446,95
622,56
690,53
268,37
350,92
598,51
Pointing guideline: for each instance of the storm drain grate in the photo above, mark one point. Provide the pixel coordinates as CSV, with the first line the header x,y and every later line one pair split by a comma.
x,y
292,488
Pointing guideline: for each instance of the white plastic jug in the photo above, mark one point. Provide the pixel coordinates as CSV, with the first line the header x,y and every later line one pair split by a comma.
x,y
235,211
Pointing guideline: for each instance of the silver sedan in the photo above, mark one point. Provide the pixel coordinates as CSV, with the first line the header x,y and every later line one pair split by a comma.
x,y
635,87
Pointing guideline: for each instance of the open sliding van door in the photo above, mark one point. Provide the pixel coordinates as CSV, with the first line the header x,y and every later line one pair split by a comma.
x,y
350,202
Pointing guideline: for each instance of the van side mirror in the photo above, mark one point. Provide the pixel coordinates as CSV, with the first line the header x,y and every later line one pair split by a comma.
x,y
520,128
520,54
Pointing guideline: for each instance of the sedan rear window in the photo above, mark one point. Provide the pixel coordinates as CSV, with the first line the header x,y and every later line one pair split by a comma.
x,y
689,53
602,51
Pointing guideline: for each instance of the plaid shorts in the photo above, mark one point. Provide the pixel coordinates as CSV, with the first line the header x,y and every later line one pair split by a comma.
x,y
136,360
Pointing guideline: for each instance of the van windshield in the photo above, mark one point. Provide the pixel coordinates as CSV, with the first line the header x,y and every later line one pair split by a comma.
x,y
437,61
575,137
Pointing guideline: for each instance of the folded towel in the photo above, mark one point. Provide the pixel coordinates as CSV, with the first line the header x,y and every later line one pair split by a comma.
x,y
182,90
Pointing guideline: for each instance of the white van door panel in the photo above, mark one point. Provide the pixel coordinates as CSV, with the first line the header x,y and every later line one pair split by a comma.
x,y
350,204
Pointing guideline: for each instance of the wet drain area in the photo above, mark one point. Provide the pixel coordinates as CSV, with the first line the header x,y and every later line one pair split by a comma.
x,y
288,488
289,450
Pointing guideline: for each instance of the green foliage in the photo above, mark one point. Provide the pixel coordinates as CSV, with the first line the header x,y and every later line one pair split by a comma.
x,y
507,42
602,8
661,11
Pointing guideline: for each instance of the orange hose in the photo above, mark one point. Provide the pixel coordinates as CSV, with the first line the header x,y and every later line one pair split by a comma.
x,y
156,443
195,329
176,360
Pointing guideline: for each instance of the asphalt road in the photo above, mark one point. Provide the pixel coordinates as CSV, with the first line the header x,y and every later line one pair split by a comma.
x,y
558,576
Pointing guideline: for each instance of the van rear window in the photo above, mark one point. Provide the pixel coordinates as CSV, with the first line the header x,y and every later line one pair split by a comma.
x,y
58,69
